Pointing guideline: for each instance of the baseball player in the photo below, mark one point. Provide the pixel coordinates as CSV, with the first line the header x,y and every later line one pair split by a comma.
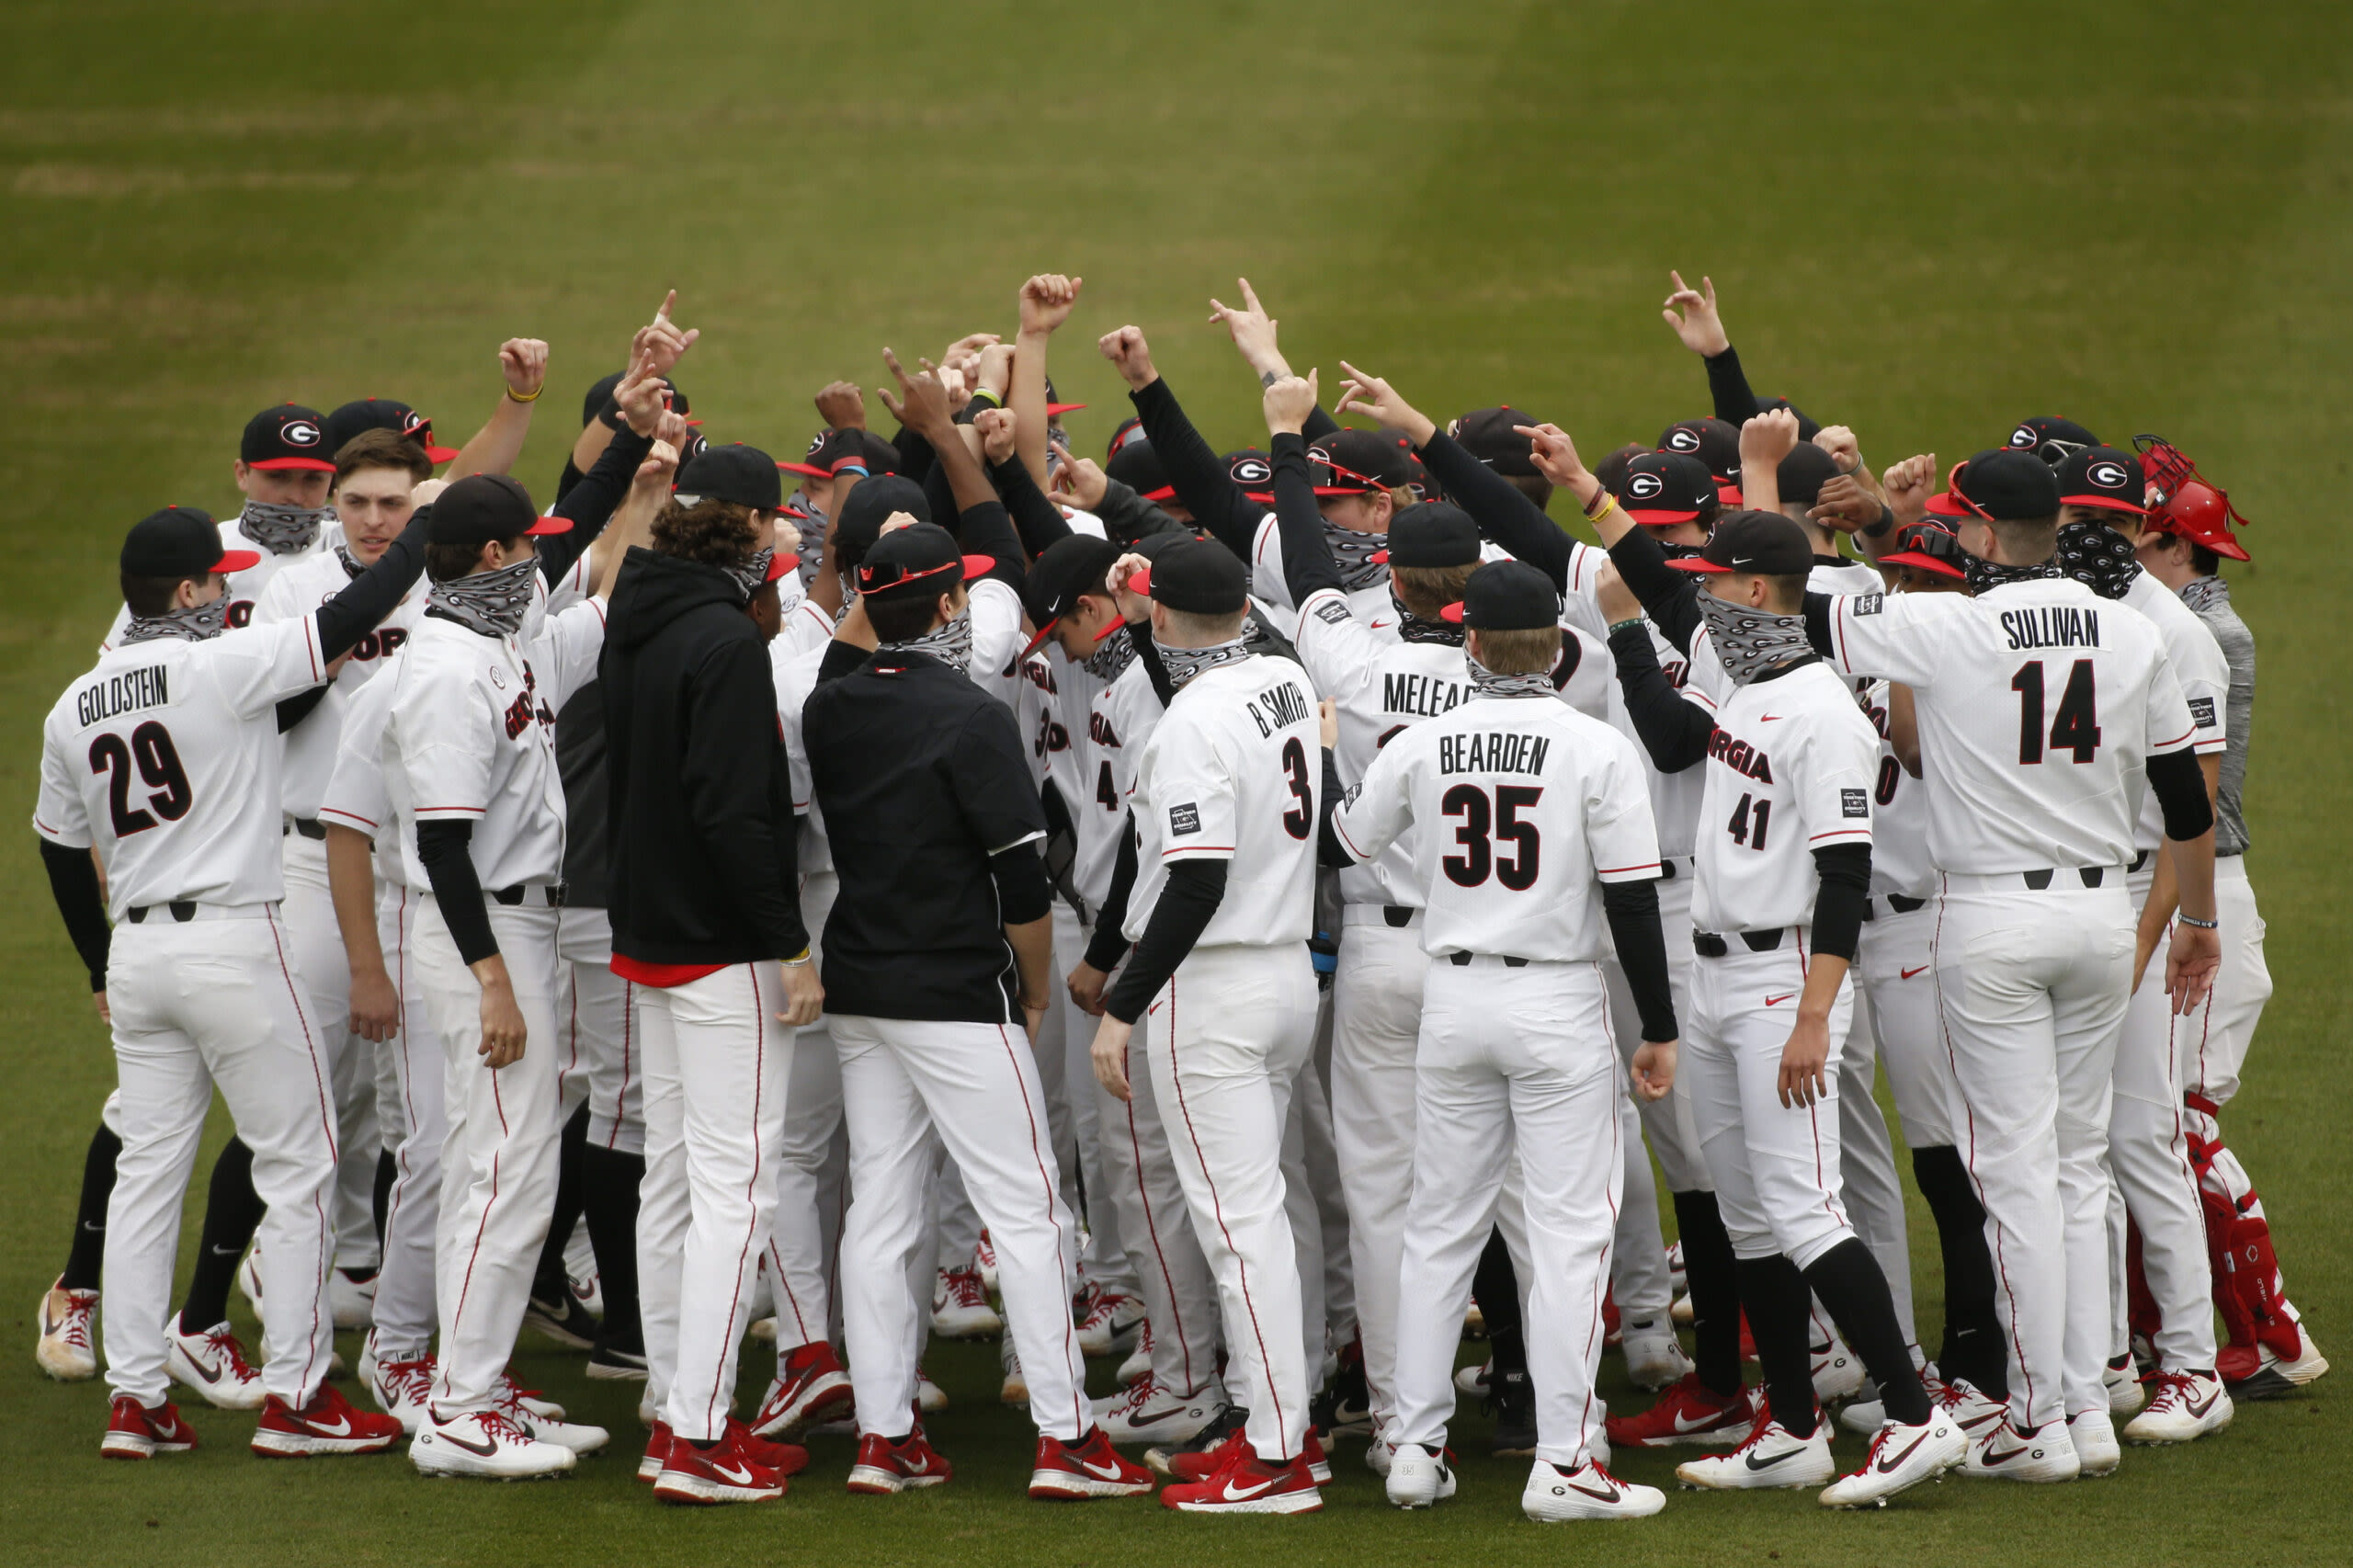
x,y
2183,543
2042,705
1782,886
163,759
522,364
1226,812
1526,820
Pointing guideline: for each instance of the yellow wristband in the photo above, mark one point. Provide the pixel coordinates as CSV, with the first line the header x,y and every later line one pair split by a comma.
x,y
1608,505
514,396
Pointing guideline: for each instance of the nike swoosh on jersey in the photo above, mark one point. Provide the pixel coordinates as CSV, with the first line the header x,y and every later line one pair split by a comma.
x,y
1777,1001
1890,1466
1770,718
1910,972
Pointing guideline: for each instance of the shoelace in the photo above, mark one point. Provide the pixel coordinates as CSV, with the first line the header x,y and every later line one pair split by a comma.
x,y
2167,1388
79,1310
497,1424
1139,1394
409,1382
225,1344
965,1290
1106,1308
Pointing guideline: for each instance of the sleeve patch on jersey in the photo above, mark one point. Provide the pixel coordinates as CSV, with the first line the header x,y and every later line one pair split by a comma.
x,y
1853,802
1332,612
1868,604
2202,709
1184,819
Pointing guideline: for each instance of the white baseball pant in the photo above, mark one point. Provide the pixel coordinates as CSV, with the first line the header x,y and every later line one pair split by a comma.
x,y
1376,1020
1311,1175
406,1307
717,1063
1226,1039
2211,1045
215,1001
1180,1290
2031,987
1896,964
1639,1272
1104,1259
1867,1187
812,1164
1512,1058
308,916
601,1051
1776,1167
976,1084
498,1163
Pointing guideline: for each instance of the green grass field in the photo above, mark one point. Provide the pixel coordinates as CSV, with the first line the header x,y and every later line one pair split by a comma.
x,y
1925,221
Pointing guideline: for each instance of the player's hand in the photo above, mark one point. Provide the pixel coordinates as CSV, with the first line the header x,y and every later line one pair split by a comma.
x,y
1127,350
1845,506
1078,482
1033,1018
1840,443
662,339
106,1013
1087,984
1618,601
1653,1072
2192,959
375,1005
922,403
996,427
1554,455
805,995
1287,402
1908,485
641,393
896,521
1135,609
965,350
426,491
1699,327
1327,723
1110,1056
1046,301
784,538
502,1021
991,369
1802,1060
1365,392
1768,437
1253,331
841,406
524,362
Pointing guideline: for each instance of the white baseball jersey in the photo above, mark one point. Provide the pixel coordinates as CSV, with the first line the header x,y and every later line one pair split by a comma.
x,y
795,670
1790,770
472,738
299,589
1840,575
1234,771
1899,817
997,638
1370,605
1518,808
356,796
245,588
2039,704
164,758
1119,721
2205,676
1051,683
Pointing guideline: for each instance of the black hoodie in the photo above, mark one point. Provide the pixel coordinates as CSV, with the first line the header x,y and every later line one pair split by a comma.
x,y
700,828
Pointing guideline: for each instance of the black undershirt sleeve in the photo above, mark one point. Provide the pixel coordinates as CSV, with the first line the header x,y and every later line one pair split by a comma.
x,y
1329,850
1503,514
74,882
1669,598
1728,388
353,613
299,707
1127,516
1198,475
1307,554
1023,893
1672,728
1817,620
987,529
1038,520
1632,909
1110,945
916,456
1845,894
591,502
2180,787
1188,900
445,847
1319,425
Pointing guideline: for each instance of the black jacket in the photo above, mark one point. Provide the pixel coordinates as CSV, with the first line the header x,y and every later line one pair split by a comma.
x,y
699,828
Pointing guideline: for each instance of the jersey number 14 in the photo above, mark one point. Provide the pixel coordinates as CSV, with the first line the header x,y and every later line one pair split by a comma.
x,y
2074,726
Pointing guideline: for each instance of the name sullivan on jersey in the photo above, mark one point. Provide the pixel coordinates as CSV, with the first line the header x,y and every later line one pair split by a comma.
x,y
125,693
1279,707
2053,626
1483,752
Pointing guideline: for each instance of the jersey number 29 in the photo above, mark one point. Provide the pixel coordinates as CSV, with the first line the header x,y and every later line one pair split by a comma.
x,y
158,762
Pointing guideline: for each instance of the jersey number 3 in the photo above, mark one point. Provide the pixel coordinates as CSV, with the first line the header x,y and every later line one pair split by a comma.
x,y
2073,728
158,762
1299,817
1500,822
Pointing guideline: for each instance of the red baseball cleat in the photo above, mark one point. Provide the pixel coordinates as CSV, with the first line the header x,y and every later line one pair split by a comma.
x,y
810,1387
1248,1484
887,1465
1088,1468
328,1425
726,1471
136,1432
657,1449
1688,1412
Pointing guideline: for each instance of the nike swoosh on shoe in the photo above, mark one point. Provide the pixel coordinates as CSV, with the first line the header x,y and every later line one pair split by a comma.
x,y
1754,1464
1890,1466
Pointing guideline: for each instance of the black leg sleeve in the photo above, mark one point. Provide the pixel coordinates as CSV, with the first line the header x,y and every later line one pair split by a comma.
x,y
1773,1293
1850,1284
610,1183
1974,1348
1496,1287
1710,1271
388,1170
85,1258
548,1283
233,1212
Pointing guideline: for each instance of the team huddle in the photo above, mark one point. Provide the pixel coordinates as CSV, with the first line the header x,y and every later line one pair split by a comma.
x,y
1248,915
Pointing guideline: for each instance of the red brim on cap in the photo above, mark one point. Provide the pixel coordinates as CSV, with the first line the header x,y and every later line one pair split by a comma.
x,y
550,526
315,465
782,564
1054,408
1452,612
812,469
1346,489
1696,563
1039,640
1165,493
1728,493
246,559
1655,517
1379,557
1141,582
1945,504
2104,504
1912,558
439,455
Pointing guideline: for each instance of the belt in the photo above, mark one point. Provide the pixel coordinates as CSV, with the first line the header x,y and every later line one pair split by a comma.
x,y
2089,876
309,827
1463,960
1666,866
2064,880
1396,917
550,894
2138,864
184,910
1709,945
1896,905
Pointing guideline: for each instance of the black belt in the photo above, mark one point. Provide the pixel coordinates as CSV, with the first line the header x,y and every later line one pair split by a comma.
x,y
1666,868
1707,945
309,827
183,911
2090,876
1463,960
515,895
1397,915
2137,862
1897,903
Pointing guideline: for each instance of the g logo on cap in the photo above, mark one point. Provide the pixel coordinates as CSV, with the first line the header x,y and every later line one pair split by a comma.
x,y
1643,487
2024,438
2106,475
1252,470
1681,440
817,440
299,433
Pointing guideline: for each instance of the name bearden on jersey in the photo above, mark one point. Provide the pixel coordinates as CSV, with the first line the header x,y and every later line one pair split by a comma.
x,y
1487,751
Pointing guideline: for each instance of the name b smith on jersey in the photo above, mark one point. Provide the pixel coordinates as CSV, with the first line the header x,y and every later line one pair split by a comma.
x,y
1279,707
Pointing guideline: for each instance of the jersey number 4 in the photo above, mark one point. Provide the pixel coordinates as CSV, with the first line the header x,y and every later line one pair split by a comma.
x,y
2073,728
1500,822
150,749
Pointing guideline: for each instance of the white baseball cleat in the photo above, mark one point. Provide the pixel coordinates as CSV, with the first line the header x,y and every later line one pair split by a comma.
x,y
532,1404
1139,1361
931,1398
1971,1409
213,1364
352,1301
2276,1374
1771,1457
763,1331
520,1408
984,1262
2005,1453
486,1443
1420,1475
1837,1371
587,1290
1556,1493
1474,1380
65,1350
1148,1411
399,1388
1014,1393
1110,1323
1900,1457
1654,1357
2186,1406
2094,1436
1681,1313
2125,1395
249,1275
1380,1454
1863,1417
959,1307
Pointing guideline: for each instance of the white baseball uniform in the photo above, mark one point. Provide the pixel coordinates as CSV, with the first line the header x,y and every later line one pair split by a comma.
x,y
244,589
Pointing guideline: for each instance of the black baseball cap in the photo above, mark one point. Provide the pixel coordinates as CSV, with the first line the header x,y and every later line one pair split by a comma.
x,y
1130,430
1357,462
919,558
1069,568
2002,484
2050,438
1487,434
1715,442
287,436
1253,472
858,522
1808,427
1929,547
1802,473
598,403
1506,596
180,541
1137,466
1666,487
1765,543
829,449
736,473
2105,477
1431,533
367,414
482,507
1197,576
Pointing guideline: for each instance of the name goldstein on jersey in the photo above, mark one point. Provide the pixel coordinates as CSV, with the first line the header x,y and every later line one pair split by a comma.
x,y
1278,708
146,686
2053,626
1483,751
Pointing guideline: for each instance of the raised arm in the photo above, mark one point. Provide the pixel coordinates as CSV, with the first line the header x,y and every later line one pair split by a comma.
x,y
1308,564
1046,303
494,448
1702,331
1197,473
